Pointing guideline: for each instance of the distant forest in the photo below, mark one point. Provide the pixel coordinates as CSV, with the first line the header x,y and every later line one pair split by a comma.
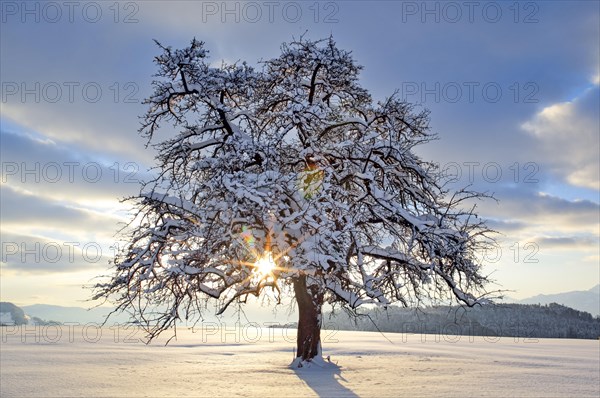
x,y
501,320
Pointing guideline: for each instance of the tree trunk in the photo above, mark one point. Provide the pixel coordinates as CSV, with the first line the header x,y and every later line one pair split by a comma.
x,y
310,301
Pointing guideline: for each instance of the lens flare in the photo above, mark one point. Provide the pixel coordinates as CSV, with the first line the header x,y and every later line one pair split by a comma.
x,y
265,265
247,237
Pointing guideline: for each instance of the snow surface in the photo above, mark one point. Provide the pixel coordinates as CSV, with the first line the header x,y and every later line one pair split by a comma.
x,y
252,362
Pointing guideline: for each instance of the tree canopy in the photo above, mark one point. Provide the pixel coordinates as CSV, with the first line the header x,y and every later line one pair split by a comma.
x,y
291,161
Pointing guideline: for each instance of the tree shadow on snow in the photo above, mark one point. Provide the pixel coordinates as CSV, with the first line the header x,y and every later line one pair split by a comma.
x,y
325,381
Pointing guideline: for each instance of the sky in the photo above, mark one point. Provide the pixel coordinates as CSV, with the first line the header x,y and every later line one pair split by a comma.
x,y
513,90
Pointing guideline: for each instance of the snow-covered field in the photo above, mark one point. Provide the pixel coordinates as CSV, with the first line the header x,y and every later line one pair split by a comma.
x,y
227,362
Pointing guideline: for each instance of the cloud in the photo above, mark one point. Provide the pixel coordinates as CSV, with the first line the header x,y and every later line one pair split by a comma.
x,y
30,212
92,127
40,235
567,134
26,253
506,226
526,214
568,242
54,169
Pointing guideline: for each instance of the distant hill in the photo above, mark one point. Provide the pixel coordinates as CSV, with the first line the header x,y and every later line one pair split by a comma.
x,y
10,314
508,320
72,314
587,300
97,315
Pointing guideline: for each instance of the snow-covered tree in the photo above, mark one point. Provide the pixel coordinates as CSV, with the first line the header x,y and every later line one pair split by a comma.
x,y
289,178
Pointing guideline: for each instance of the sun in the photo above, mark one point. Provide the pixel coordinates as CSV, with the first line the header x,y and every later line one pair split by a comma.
x,y
265,264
